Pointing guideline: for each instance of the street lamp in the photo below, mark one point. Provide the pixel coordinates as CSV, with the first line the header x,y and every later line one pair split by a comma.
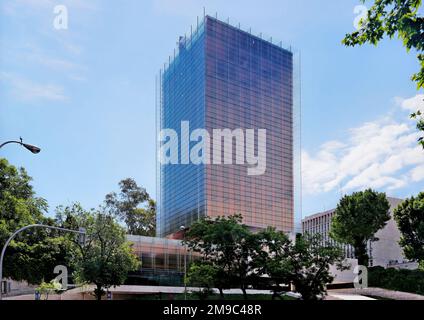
x,y
81,232
183,228
29,147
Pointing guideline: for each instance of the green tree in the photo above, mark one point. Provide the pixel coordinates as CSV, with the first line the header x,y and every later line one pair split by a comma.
x,y
202,275
106,258
391,18
229,246
308,263
409,216
33,255
357,218
134,207
304,263
272,261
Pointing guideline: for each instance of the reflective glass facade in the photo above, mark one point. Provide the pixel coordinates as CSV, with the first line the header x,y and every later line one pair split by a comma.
x,y
226,78
163,261
181,196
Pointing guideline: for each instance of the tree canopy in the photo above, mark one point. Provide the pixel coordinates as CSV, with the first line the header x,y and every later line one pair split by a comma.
x,y
234,256
106,258
308,261
203,275
33,255
357,218
228,245
134,207
409,216
391,18
401,18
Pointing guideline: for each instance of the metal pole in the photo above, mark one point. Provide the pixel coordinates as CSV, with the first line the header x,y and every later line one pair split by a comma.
x,y
3,144
14,235
185,275
183,229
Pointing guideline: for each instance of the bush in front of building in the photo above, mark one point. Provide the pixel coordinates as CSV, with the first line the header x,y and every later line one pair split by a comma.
x,y
400,280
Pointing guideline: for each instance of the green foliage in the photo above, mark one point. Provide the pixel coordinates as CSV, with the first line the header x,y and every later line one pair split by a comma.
x,y
233,256
309,261
400,280
33,255
18,204
134,207
395,17
202,275
46,288
391,18
357,218
409,216
304,263
272,260
228,245
106,258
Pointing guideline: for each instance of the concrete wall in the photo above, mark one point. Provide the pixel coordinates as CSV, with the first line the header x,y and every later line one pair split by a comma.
x,y
344,276
387,251
18,288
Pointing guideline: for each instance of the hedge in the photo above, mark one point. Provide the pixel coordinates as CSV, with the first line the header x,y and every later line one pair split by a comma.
x,y
394,279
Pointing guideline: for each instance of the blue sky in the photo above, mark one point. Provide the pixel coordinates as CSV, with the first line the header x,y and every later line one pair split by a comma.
x,y
86,95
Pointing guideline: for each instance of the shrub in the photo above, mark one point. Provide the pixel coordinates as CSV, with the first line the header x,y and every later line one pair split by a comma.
x,y
400,280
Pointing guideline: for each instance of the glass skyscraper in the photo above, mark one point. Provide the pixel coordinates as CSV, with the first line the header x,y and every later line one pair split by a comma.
x,y
221,77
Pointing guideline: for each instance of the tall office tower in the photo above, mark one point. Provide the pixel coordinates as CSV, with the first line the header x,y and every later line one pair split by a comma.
x,y
224,78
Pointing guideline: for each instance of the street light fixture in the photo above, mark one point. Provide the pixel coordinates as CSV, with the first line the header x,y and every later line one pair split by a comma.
x,y
29,147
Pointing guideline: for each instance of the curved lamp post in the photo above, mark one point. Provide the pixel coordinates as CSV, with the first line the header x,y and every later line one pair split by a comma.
x,y
29,147
80,232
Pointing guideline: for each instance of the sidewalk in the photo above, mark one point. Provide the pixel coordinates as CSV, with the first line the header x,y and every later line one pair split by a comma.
x,y
374,292
334,294
339,296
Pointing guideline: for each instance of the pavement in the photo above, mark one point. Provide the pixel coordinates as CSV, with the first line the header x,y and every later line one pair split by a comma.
x,y
365,294
355,297
84,293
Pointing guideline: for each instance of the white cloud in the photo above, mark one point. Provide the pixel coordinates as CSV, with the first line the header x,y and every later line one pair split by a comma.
x,y
417,174
27,90
382,154
412,104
